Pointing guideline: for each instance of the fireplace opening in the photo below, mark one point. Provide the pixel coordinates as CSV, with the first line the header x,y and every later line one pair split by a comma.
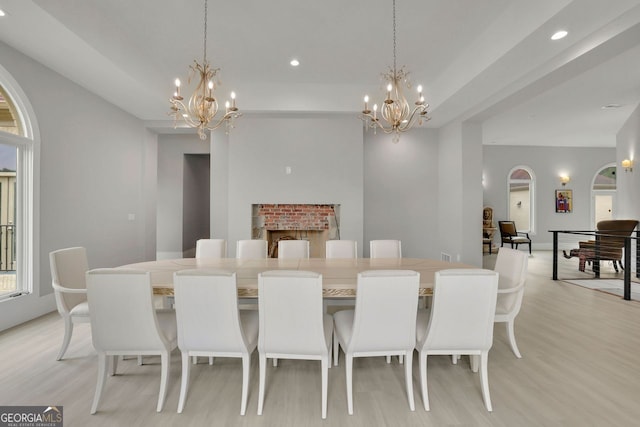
x,y
316,223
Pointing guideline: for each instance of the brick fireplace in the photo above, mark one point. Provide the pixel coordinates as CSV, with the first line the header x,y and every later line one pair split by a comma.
x,y
316,223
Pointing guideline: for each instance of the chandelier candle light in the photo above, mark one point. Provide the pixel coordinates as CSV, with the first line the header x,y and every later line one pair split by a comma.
x,y
396,112
201,110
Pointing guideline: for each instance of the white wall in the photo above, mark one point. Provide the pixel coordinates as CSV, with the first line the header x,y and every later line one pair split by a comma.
x,y
460,192
400,191
92,176
385,190
325,157
628,147
547,163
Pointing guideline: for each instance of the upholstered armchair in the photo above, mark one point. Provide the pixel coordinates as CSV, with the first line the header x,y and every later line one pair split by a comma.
x,y
611,237
510,234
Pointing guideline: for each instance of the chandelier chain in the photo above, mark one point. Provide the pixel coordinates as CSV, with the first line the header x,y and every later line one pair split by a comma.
x,y
394,37
205,31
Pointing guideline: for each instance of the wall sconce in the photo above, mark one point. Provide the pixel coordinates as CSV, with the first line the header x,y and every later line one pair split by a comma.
x,y
627,165
564,179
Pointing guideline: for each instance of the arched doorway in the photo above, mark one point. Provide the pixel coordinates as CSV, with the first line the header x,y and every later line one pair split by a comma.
x,y
521,196
603,194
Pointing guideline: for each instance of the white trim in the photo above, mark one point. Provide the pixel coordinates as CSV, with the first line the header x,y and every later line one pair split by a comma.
x,y
592,219
27,209
532,195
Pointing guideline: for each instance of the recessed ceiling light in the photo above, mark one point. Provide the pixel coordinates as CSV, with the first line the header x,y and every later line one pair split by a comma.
x,y
559,35
294,62
2,12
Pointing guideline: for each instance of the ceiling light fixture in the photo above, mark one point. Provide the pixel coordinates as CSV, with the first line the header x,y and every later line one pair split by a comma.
x,y
395,108
559,35
201,110
2,13
294,62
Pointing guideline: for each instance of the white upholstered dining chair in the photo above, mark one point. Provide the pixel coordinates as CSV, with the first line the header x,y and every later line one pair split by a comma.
x,y
292,323
251,249
459,322
211,248
511,265
210,324
289,249
341,249
385,249
125,322
382,324
68,276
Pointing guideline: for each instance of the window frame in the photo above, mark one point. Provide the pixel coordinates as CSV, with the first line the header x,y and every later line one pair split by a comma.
x,y
27,189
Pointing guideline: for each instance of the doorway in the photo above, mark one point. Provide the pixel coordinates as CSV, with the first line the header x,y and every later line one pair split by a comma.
x,y
195,201
603,195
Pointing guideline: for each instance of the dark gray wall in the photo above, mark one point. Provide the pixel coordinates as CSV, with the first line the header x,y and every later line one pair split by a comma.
x,y
195,207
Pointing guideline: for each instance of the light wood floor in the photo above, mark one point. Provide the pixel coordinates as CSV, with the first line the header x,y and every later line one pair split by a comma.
x,y
580,367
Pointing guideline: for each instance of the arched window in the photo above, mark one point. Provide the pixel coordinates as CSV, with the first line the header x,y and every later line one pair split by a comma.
x,y
603,194
18,139
521,192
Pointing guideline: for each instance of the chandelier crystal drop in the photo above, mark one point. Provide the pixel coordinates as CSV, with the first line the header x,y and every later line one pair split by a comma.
x,y
396,111
202,107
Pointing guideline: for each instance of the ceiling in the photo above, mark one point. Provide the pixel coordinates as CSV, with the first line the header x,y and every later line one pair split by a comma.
x,y
490,61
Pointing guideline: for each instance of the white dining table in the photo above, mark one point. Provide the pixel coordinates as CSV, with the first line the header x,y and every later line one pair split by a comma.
x,y
339,276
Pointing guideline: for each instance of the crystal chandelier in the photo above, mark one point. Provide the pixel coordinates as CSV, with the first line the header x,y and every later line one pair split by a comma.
x,y
201,109
396,111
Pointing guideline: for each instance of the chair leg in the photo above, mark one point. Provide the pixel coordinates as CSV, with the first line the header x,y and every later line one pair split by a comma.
x,y
408,377
473,362
348,363
263,367
336,348
165,359
184,384
324,366
484,380
68,331
388,359
246,366
512,339
195,360
114,364
103,361
211,360
423,380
